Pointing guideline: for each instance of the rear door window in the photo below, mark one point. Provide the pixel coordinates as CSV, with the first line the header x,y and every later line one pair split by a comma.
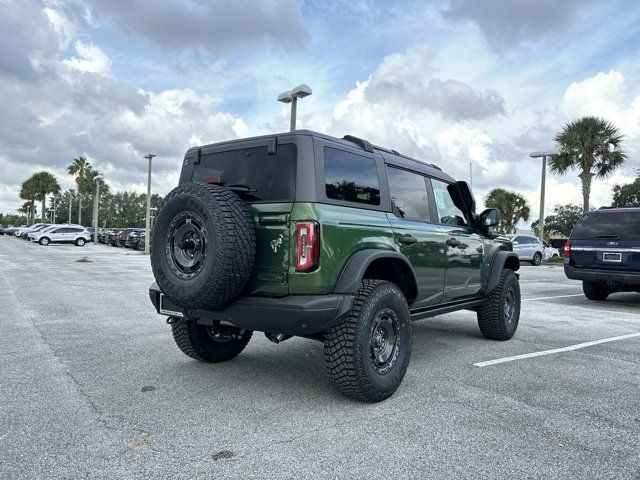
x,y
270,178
624,226
408,194
351,177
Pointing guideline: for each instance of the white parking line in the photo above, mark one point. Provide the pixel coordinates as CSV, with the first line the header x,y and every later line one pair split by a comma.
x,y
549,298
555,350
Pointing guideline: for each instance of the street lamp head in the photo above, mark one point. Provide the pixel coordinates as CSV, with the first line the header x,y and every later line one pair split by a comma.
x,y
549,153
149,156
98,178
285,97
301,91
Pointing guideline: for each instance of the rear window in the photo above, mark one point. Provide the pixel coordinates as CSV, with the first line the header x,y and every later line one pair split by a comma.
x,y
617,226
271,178
351,177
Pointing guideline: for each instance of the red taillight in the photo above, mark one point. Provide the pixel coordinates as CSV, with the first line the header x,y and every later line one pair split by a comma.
x,y
212,180
567,250
307,246
122,235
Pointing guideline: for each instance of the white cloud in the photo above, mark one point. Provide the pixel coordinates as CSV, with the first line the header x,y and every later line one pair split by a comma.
x,y
90,59
604,95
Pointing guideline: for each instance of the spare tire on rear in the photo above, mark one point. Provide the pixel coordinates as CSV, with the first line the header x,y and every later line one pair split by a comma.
x,y
203,245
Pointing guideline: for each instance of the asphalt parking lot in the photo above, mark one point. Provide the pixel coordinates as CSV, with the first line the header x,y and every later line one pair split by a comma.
x,y
94,387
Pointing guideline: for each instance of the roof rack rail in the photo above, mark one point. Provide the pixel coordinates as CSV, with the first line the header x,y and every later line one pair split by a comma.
x,y
366,146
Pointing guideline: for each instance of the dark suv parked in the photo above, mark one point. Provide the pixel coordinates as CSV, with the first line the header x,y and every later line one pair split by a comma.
x,y
331,239
604,252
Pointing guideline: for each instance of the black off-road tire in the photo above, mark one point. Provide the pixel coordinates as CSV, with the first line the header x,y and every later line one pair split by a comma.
x,y
225,227
494,319
348,353
194,341
537,259
595,291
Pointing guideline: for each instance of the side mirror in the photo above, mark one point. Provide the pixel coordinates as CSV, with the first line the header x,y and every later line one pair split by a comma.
x,y
489,218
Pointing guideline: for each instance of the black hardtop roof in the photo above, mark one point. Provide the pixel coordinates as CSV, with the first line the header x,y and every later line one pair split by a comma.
x,y
348,141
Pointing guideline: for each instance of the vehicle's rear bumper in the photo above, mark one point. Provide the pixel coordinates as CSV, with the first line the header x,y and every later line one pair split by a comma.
x,y
291,315
593,275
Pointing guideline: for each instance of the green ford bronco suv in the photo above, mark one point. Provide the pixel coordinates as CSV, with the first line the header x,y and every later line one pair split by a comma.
x,y
303,234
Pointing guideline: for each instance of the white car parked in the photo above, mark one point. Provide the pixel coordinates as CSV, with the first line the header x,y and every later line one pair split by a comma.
x,y
35,235
528,248
75,234
22,232
549,251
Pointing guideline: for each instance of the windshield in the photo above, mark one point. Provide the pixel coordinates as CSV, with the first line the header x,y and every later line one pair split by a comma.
x,y
608,226
260,177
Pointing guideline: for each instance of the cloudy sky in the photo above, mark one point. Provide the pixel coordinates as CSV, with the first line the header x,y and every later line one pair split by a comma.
x,y
450,82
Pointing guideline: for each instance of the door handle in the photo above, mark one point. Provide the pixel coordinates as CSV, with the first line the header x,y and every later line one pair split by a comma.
x,y
407,239
452,242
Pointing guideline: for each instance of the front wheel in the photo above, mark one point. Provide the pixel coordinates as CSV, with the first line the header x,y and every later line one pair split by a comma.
x,y
367,352
537,259
207,343
44,241
499,315
595,291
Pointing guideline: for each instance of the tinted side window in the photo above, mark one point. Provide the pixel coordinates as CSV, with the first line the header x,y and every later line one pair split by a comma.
x,y
60,230
408,194
76,230
448,213
351,177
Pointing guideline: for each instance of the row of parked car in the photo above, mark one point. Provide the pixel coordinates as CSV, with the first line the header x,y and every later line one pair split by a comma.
x,y
46,233
123,237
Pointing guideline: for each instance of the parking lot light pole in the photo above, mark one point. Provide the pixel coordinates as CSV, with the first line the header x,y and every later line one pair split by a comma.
x,y
70,202
544,156
149,157
96,202
292,96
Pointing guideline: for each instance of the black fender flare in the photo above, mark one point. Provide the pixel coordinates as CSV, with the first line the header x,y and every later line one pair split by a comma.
x,y
355,268
496,265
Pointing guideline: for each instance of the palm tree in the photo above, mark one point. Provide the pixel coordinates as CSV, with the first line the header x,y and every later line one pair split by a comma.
x,y
29,192
78,168
512,206
44,183
592,145
26,209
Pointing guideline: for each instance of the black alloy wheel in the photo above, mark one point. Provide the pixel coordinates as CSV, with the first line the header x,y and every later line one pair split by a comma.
x,y
187,244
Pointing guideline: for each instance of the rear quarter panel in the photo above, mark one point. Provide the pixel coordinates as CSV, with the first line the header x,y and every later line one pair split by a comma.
x,y
343,231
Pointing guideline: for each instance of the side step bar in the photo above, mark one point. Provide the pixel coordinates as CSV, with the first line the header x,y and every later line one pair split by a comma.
x,y
429,312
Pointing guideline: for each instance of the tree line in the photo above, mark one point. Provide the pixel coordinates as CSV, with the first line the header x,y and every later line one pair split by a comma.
x,y
119,209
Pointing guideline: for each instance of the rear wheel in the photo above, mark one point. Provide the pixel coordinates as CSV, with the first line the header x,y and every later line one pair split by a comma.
x,y
537,259
499,315
80,242
211,344
595,291
367,352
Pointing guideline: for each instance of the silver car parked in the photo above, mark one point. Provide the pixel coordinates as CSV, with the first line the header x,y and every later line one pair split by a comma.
x,y
528,248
